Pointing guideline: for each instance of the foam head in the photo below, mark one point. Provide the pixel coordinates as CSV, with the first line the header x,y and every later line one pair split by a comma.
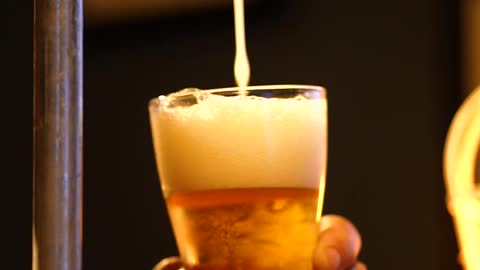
x,y
219,141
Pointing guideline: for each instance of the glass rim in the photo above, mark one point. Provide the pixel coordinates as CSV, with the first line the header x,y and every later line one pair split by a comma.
x,y
254,88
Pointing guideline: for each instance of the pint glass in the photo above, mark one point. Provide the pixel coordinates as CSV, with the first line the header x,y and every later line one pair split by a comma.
x,y
243,174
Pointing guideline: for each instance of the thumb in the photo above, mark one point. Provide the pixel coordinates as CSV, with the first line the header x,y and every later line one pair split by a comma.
x,y
338,244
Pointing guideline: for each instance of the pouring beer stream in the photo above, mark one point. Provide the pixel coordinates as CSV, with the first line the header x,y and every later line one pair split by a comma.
x,y
241,66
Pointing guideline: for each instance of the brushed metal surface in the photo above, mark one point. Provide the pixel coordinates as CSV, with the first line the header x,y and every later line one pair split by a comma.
x,y
57,179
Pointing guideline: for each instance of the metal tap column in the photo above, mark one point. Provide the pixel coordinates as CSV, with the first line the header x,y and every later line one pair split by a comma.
x,y
58,110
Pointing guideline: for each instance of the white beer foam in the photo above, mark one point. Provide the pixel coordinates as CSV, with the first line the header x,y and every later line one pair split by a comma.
x,y
241,142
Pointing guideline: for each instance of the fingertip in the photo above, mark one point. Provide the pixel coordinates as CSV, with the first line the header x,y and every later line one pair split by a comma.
x,y
341,230
360,266
171,263
340,234
326,259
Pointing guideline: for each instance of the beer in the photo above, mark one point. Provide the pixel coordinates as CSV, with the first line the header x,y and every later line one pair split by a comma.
x,y
243,175
252,228
243,169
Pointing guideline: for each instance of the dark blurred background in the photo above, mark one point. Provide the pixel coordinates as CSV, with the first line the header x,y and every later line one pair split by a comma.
x,y
392,70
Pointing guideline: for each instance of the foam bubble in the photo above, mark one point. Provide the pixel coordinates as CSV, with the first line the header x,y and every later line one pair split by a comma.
x,y
241,142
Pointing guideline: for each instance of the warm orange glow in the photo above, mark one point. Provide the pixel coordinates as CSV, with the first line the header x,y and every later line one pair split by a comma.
x,y
459,164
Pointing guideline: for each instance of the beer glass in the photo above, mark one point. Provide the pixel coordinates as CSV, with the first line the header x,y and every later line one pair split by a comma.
x,y
461,169
243,174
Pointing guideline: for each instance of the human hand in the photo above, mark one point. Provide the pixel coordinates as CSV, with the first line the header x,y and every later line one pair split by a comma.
x,y
338,246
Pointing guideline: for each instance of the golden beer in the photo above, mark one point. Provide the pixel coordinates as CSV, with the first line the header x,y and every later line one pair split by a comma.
x,y
252,228
243,174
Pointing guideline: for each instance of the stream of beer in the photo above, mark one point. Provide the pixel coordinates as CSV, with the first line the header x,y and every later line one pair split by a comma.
x,y
241,65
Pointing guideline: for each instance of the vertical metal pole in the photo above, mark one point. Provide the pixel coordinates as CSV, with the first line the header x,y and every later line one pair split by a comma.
x,y
58,110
